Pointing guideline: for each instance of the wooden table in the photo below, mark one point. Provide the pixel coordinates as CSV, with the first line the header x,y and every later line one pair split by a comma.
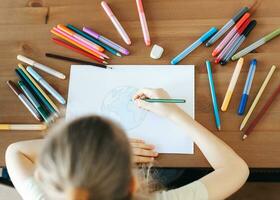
x,y
25,29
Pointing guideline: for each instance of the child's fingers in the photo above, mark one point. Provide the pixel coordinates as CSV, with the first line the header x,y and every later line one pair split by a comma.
x,y
142,145
144,152
135,140
140,159
145,91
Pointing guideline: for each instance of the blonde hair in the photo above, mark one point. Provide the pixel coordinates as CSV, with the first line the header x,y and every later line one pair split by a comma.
x,y
87,159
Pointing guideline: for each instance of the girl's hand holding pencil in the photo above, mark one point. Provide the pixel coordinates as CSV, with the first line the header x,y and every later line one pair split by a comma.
x,y
165,107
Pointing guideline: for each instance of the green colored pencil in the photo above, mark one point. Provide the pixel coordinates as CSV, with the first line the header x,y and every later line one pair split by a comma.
x,y
165,100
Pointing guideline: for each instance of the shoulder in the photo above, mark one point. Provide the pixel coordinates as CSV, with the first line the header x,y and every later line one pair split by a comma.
x,y
193,191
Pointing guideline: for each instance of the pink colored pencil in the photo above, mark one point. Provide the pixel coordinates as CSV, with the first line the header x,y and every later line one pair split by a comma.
x,y
96,53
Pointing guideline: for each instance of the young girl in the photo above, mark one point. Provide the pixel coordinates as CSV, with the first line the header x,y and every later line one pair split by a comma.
x,y
91,159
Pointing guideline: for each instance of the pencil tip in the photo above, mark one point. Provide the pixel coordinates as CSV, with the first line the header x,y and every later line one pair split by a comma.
x,y
104,62
118,54
219,128
244,137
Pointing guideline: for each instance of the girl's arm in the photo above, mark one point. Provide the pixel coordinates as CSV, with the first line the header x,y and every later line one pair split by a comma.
x,y
20,162
230,171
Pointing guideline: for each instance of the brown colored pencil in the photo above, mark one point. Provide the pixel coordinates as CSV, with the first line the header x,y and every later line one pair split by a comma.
x,y
262,112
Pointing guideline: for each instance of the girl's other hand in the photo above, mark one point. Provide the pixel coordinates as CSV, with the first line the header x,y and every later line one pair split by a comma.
x,y
142,152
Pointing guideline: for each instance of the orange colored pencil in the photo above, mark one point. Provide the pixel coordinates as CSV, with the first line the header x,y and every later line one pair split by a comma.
x,y
56,32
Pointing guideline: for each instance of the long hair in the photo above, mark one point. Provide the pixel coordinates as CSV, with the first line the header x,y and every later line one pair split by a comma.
x,y
89,158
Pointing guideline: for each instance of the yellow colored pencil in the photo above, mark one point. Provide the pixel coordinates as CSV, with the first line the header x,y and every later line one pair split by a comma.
x,y
39,88
23,127
232,84
256,100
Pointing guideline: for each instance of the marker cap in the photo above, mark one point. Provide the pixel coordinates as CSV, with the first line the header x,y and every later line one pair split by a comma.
x,y
26,60
35,75
272,35
242,20
91,32
208,34
14,87
249,28
240,14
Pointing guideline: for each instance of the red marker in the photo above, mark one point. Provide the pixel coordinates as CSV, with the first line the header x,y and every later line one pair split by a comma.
x,y
68,46
233,31
232,41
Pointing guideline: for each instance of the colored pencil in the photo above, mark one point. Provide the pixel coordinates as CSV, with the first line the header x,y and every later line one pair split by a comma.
x,y
82,41
213,95
165,100
50,55
23,127
39,88
262,112
256,100
87,36
227,38
227,26
116,23
106,41
34,90
238,43
34,101
193,46
232,84
24,100
247,87
232,42
80,38
80,51
257,44
74,41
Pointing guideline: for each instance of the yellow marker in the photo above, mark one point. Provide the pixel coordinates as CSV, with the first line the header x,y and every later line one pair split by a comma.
x,y
23,127
256,100
232,84
39,88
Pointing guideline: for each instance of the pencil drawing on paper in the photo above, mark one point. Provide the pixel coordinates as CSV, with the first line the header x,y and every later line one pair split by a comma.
x,y
119,106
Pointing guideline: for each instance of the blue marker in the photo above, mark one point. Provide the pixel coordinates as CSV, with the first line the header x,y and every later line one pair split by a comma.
x,y
194,45
213,95
247,87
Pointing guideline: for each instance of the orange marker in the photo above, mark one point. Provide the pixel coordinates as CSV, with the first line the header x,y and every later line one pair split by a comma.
x,y
80,38
60,34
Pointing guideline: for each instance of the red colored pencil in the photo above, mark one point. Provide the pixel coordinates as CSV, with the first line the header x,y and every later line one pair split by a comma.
x,y
68,46
262,112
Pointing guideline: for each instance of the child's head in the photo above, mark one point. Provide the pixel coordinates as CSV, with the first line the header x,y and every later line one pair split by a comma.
x,y
89,158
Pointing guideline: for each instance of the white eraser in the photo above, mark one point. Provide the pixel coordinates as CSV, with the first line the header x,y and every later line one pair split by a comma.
x,y
156,52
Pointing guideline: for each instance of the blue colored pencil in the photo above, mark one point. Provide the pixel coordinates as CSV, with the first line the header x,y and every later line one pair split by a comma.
x,y
213,95
247,87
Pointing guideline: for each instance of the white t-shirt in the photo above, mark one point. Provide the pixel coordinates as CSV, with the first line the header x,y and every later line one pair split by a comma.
x,y
193,191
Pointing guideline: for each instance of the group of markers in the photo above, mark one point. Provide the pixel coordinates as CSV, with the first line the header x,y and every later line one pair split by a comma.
x,y
29,90
244,97
242,26
89,43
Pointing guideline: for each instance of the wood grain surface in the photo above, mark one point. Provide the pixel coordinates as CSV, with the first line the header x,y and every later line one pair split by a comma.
x,y
25,29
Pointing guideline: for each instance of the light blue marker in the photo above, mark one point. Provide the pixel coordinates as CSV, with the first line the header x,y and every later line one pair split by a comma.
x,y
213,95
194,45
247,87
45,84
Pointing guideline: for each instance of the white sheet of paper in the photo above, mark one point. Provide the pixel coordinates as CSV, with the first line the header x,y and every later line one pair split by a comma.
x,y
108,92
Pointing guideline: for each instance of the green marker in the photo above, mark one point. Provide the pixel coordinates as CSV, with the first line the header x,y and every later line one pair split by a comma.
x,y
165,100
34,102
256,44
35,91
